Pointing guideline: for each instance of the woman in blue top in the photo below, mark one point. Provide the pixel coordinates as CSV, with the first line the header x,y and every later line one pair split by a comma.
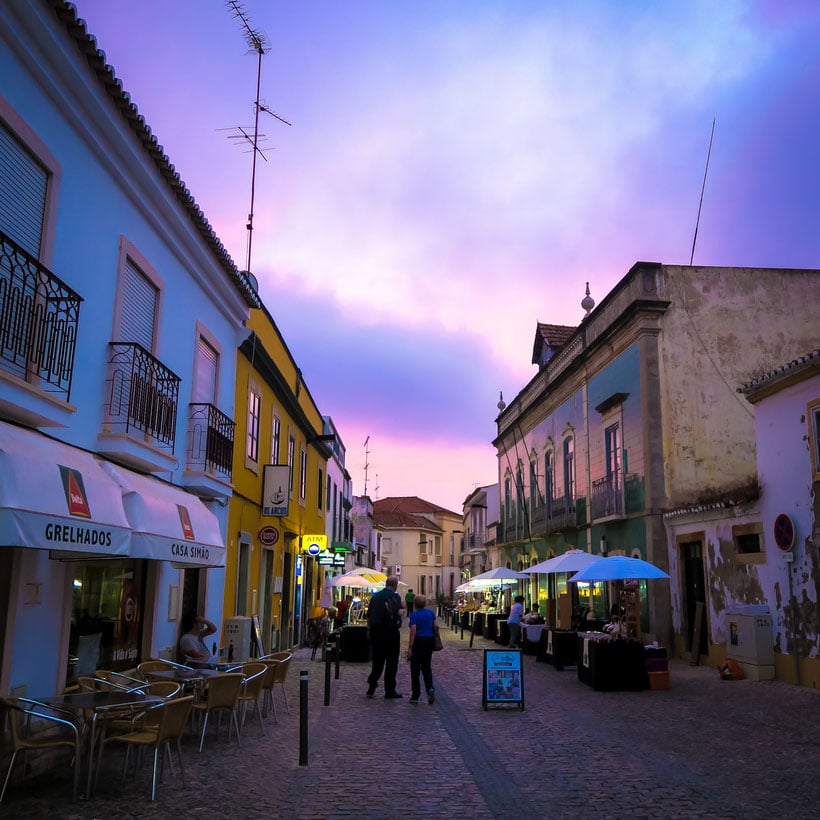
x,y
420,648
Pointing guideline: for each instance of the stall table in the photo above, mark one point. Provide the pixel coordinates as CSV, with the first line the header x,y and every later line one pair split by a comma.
x,y
609,665
355,645
491,620
558,647
530,636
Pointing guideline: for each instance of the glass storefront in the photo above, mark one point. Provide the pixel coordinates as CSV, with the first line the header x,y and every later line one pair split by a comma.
x,y
106,616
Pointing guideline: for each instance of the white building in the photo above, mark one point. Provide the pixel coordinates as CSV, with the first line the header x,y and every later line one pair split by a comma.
x,y
120,315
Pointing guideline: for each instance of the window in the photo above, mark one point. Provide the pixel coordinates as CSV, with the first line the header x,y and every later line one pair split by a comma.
x,y
748,540
549,491
569,472
508,497
814,437
275,439
24,187
329,486
139,302
320,489
206,367
254,407
302,474
613,452
519,487
291,458
535,492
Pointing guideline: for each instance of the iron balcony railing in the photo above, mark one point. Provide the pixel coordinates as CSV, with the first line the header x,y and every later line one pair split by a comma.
x,y
210,436
39,318
142,394
563,515
607,498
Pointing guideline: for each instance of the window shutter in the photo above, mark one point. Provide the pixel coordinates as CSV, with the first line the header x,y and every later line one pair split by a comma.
x,y
138,308
205,384
23,183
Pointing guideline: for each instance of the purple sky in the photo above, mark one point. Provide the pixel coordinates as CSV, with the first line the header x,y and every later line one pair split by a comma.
x,y
457,171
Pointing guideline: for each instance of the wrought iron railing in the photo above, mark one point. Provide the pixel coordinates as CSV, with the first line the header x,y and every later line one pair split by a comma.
x,y
210,440
607,498
39,317
563,514
142,394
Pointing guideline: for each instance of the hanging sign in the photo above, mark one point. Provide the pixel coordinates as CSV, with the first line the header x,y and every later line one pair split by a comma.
x,y
314,544
275,490
503,677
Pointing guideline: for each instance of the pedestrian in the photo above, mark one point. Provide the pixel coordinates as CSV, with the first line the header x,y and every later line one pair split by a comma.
x,y
383,623
514,621
409,597
423,623
194,629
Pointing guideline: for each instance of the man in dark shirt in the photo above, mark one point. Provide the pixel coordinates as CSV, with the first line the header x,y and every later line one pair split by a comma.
x,y
383,622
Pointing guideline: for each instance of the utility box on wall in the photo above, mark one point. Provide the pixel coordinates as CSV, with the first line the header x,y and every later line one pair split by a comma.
x,y
750,640
236,639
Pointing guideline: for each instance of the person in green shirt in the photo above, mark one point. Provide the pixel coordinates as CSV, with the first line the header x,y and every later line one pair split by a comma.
x,y
409,598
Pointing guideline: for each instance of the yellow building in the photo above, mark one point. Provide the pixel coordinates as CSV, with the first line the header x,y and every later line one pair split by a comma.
x,y
279,478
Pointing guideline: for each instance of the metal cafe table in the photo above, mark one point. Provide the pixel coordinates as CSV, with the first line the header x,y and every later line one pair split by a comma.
x,y
100,705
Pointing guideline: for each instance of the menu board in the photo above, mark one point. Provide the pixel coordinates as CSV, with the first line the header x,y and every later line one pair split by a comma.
x,y
256,638
503,677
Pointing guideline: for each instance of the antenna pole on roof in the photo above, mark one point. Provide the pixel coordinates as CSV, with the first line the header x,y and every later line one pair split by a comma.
x,y
702,190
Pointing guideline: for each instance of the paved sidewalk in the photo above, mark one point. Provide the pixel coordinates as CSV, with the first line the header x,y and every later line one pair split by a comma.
x,y
704,748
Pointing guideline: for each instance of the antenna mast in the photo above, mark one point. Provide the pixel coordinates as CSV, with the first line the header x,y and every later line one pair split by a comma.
x,y
258,44
702,190
366,463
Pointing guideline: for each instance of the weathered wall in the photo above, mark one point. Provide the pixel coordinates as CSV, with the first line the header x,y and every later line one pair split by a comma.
x,y
724,326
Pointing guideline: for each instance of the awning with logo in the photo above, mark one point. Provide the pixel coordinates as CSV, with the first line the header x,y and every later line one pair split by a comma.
x,y
167,522
54,496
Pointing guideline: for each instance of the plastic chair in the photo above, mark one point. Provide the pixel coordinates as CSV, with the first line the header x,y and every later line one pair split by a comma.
x,y
222,695
251,689
68,735
164,724
280,673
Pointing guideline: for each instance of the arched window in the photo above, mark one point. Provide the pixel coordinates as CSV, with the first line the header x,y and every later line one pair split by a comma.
x,y
569,472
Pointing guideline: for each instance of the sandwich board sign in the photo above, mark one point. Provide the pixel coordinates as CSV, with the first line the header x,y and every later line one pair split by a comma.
x,y
503,678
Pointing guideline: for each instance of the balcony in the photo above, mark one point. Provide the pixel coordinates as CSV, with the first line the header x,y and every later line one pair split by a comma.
x,y
141,409
209,459
538,522
607,500
563,515
39,320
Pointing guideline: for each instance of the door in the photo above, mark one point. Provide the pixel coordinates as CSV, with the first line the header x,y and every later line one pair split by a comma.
x,y
266,598
287,592
694,591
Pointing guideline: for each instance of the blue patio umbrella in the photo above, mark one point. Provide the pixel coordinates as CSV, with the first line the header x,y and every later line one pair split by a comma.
x,y
618,568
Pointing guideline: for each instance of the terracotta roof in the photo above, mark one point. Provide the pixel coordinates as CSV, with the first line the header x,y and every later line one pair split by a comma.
x,y
402,520
554,336
806,362
408,504
67,14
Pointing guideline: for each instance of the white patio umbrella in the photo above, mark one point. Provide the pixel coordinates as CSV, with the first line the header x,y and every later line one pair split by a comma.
x,y
618,568
500,576
570,561
353,580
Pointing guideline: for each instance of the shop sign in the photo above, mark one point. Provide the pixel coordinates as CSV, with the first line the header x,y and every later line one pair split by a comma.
x,y
503,677
314,544
275,490
268,536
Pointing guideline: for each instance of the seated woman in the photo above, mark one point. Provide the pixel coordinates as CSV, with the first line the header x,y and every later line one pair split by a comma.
x,y
194,629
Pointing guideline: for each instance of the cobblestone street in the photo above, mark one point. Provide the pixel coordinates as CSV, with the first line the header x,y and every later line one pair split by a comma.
x,y
705,748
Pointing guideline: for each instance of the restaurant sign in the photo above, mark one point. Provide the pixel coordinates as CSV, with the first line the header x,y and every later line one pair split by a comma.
x,y
503,678
275,490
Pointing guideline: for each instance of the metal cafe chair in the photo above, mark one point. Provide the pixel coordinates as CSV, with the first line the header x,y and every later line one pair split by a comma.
x,y
251,689
222,696
163,725
280,673
24,715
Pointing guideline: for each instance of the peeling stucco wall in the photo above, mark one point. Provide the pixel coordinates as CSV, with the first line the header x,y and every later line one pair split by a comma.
x,y
724,326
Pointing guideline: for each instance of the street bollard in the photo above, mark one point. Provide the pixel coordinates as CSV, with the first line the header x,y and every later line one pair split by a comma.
x,y
303,718
337,657
327,678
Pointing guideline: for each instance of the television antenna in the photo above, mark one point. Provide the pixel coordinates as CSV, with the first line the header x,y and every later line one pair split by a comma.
x,y
366,463
259,45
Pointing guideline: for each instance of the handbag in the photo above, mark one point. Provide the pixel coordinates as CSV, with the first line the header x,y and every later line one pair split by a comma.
x,y
437,644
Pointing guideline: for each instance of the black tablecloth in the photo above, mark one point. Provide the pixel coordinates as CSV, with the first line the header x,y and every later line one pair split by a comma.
x,y
490,621
558,647
612,665
354,644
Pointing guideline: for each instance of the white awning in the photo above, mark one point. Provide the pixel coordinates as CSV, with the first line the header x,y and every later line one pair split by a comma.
x,y
167,522
55,496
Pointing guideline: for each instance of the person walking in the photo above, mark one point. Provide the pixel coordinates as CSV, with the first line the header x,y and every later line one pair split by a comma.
x,y
423,622
383,622
409,597
514,621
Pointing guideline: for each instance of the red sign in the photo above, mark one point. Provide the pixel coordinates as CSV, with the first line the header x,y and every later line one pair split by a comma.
x,y
74,492
784,532
268,536
185,520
